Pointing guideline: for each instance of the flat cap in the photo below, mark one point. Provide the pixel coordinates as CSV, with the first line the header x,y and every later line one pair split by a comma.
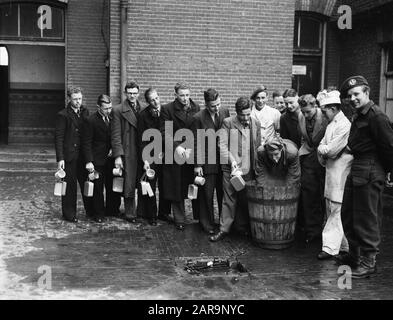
x,y
353,82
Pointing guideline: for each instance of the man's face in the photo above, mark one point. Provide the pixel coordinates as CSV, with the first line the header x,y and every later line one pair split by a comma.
x,y
76,99
183,96
274,155
279,103
358,97
132,94
214,106
154,100
106,108
244,116
261,100
292,103
309,111
328,112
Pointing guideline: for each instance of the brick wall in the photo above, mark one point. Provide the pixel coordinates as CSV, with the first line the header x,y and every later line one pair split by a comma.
x,y
361,54
85,47
231,45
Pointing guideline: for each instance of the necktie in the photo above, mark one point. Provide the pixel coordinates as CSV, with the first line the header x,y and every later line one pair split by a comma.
x,y
78,112
216,121
106,121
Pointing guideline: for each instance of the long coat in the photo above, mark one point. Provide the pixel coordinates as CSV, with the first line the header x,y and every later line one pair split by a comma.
x,y
337,162
125,144
176,177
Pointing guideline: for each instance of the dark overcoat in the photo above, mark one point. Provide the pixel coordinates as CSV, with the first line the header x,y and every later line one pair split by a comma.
x,y
176,177
125,144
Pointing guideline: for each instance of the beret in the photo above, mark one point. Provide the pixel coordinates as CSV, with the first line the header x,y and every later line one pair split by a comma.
x,y
257,91
332,97
353,82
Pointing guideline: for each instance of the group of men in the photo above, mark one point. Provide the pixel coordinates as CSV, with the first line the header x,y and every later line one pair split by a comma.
x,y
305,140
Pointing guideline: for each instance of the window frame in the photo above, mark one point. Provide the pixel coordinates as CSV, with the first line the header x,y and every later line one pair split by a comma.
x,y
31,38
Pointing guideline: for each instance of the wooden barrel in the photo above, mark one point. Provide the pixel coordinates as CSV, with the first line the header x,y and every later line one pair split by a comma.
x,y
273,211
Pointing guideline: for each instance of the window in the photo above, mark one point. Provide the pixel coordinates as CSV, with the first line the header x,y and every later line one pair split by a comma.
x,y
27,21
308,33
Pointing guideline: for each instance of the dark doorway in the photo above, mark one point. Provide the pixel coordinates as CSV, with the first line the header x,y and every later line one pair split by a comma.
x,y
4,95
307,77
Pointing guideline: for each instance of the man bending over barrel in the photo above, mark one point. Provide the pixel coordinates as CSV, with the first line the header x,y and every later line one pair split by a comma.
x,y
278,162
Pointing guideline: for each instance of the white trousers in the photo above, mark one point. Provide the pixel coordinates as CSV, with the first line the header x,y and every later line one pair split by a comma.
x,y
333,238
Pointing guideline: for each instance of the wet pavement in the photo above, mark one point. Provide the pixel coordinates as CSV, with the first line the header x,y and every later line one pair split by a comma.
x,y
119,260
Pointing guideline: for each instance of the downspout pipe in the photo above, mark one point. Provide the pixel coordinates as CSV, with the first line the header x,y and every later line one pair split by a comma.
x,y
123,46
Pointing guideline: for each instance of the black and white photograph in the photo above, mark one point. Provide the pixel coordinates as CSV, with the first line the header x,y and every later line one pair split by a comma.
x,y
196,156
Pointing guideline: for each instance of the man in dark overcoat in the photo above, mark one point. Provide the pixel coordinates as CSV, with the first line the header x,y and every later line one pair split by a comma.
x,y
125,145
68,132
177,175
98,156
149,118
207,161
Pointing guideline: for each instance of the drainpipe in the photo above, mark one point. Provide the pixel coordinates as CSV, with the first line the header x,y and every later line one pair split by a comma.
x,y
123,44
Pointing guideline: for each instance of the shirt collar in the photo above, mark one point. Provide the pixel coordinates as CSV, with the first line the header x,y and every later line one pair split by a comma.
x,y
363,110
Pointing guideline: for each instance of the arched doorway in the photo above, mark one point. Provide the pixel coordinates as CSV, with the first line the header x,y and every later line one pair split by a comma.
x,y
4,94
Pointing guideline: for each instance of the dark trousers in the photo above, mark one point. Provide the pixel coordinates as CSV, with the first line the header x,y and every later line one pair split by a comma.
x,y
129,208
75,173
112,199
312,195
205,200
361,211
147,206
179,213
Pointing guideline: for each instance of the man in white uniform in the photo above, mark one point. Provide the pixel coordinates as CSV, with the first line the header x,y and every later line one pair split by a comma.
x,y
267,116
332,155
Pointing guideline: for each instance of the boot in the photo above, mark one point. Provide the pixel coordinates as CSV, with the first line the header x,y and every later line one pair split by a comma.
x,y
351,258
366,268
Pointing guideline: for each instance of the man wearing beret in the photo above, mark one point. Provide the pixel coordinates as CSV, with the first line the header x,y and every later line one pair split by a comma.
x,y
371,144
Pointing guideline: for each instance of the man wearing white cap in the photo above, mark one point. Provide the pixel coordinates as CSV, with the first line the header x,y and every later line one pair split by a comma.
x,y
332,155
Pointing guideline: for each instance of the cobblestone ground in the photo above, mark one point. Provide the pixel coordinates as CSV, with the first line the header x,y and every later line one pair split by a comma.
x,y
118,260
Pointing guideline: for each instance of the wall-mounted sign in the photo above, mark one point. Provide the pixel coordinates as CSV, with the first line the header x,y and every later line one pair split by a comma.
x,y
299,70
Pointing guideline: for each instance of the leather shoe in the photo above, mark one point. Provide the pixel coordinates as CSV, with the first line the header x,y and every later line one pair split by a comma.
x,y
219,236
99,220
180,227
324,256
165,217
153,222
74,220
132,220
363,271
346,259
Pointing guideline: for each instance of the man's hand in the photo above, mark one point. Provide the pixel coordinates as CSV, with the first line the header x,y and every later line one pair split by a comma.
x,y
146,165
110,153
234,165
61,165
198,171
119,163
90,166
181,151
323,149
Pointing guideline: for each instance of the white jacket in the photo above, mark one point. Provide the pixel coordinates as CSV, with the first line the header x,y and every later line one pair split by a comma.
x,y
337,163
